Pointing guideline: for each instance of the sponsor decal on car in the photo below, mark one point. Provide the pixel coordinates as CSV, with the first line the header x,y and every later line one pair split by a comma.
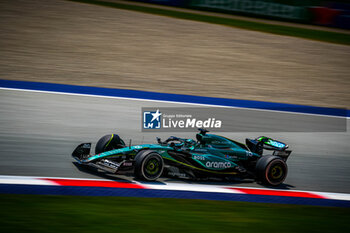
x,y
86,146
276,144
231,157
218,164
178,174
127,164
109,163
248,153
198,157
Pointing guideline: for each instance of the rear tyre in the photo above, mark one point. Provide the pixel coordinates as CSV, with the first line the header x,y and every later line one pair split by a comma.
x,y
149,165
109,142
271,170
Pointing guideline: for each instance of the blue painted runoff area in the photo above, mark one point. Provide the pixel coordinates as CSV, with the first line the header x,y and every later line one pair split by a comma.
x,y
154,193
124,93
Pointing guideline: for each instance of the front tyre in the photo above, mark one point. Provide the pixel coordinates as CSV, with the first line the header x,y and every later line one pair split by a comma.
x,y
271,170
109,142
149,165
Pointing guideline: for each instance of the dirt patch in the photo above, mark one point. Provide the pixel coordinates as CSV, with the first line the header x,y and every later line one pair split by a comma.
x,y
73,43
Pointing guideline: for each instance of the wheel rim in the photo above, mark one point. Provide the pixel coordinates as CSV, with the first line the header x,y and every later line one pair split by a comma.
x,y
152,167
276,173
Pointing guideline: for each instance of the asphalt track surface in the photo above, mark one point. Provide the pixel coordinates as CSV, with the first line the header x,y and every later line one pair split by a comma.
x,y
38,132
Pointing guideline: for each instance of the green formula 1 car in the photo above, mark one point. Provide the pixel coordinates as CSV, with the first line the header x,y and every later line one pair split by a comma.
x,y
208,156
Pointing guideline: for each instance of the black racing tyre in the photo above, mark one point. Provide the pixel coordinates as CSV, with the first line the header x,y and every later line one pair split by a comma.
x,y
149,165
271,170
109,142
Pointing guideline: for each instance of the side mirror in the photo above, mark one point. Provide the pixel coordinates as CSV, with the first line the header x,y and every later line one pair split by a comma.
x,y
203,131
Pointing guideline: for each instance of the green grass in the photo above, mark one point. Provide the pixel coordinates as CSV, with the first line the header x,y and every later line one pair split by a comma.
x,y
326,36
39,213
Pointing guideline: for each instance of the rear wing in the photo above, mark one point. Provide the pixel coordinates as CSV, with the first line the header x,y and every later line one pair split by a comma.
x,y
262,143
283,154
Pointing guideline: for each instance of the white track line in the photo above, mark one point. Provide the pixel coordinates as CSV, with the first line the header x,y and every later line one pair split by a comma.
x,y
193,187
166,101
24,180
